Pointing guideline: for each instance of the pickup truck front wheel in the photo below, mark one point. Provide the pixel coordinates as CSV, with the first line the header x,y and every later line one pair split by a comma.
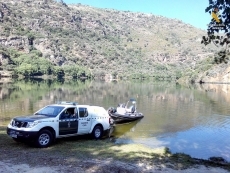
x,y
97,132
44,139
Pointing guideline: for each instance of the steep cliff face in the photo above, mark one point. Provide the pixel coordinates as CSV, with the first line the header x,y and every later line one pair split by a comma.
x,y
217,74
17,42
105,41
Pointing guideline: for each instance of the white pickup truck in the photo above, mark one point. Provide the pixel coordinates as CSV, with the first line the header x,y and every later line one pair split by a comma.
x,y
60,120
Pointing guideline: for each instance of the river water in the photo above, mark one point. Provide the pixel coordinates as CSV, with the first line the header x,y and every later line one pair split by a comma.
x,y
193,119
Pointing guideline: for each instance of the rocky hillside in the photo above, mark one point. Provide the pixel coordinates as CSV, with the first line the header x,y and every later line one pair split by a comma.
x,y
103,41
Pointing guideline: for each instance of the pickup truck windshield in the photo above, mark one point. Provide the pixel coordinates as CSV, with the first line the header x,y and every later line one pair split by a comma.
x,y
50,111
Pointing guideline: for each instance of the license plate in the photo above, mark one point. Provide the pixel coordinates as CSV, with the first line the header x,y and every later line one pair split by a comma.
x,y
13,135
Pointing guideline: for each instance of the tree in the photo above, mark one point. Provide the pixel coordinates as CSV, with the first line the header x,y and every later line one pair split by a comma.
x,y
31,38
218,31
59,72
26,69
63,3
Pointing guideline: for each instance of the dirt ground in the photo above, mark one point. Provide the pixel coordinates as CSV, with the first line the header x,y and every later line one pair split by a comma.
x,y
98,166
84,155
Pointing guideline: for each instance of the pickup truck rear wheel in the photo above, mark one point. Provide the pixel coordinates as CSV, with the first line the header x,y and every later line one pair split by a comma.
x,y
44,139
97,132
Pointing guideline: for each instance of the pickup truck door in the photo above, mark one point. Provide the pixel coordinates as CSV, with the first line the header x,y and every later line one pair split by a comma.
x,y
84,121
68,123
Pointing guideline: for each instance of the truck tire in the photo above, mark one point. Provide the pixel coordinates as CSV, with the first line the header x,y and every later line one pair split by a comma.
x,y
44,139
97,132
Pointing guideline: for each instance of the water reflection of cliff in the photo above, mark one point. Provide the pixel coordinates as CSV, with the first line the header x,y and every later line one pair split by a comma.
x,y
178,108
218,96
4,91
27,96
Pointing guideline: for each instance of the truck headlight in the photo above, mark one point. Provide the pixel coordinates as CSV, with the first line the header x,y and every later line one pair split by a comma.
x,y
31,124
12,122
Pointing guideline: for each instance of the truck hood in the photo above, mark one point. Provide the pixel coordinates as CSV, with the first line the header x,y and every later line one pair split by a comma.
x,y
31,118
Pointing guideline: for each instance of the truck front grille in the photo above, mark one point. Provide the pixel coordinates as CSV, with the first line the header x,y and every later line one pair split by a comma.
x,y
19,124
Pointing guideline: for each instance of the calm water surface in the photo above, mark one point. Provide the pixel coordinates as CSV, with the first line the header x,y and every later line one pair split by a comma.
x,y
194,120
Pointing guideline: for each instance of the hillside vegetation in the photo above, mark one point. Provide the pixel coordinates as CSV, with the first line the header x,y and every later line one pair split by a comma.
x,y
46,37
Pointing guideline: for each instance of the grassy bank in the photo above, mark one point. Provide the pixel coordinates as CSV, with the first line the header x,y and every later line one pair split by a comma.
x,y
82,149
